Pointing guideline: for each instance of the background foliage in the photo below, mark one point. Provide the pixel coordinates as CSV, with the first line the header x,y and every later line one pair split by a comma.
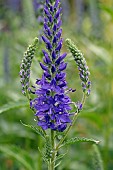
x,y
89,23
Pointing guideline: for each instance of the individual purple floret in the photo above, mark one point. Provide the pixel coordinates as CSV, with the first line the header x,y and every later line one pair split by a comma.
x,y
79,105
52,105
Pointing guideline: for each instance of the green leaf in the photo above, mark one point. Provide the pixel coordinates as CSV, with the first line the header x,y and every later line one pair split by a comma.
x,y
47,151
48,148
18,154
10,106
57,164
43,156
37,129
79,139
60,156
97,160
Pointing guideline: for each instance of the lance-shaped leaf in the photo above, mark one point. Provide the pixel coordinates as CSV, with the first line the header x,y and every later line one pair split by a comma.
x,y
60,156
78,140
97,160
57,164
37,129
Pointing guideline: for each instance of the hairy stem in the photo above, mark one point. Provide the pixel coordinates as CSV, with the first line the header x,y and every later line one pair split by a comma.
x,y
39,161
52,160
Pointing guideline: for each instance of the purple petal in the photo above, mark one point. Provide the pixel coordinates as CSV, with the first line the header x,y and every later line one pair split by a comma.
x,y
43,125
53,55
53,69
59,33
43,67
62,66
55,28
59,45
45,39
62,127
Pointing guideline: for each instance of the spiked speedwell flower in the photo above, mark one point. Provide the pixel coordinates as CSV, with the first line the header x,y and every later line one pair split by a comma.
x,y
52,104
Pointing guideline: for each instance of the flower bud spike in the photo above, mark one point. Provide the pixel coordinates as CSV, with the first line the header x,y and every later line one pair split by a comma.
x,y
82,66
26,65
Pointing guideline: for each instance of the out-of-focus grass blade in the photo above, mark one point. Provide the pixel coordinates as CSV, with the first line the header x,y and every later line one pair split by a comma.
x,y
97,160
9,129
106,9
17,153
99,51
10,106
29,15
93,118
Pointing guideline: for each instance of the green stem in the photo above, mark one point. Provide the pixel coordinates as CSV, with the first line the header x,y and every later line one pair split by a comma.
x,y
52,161
108,120
39,162
28,95
83,99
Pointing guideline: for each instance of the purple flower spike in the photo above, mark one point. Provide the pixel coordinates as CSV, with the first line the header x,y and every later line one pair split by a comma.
x,y
52,104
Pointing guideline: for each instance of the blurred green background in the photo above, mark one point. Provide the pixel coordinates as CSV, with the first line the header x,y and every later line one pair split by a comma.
x,y
89,23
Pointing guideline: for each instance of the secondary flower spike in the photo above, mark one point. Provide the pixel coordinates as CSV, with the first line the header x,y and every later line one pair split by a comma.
x,y
82,66
52,104
25,66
